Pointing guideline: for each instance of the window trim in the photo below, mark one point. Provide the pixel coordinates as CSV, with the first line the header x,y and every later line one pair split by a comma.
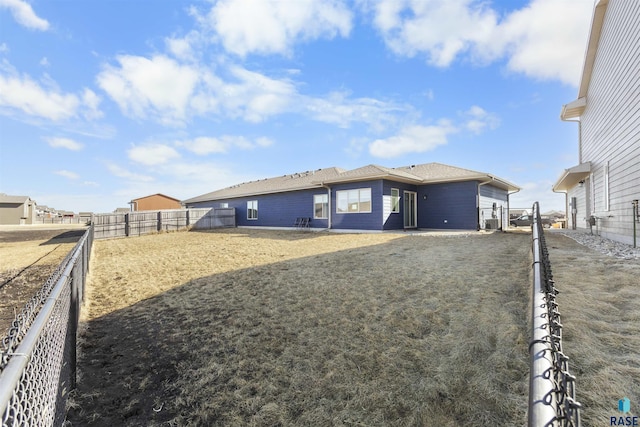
x,y
252,205
350,203
325,206
395,209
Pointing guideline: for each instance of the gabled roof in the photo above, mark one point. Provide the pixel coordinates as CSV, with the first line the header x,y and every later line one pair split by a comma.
x,y
415,174
373,172
432,173
157,194
575,108
5,198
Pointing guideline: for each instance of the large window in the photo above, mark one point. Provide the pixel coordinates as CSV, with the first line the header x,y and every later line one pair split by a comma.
x,y
395,200
321,206
354,201
252,209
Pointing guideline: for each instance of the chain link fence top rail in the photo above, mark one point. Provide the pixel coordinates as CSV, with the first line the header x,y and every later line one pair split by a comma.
x,y
39,353
552,399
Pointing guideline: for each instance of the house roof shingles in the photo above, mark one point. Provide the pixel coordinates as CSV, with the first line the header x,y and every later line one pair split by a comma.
x,y
416,174
5,198
290,182
152,195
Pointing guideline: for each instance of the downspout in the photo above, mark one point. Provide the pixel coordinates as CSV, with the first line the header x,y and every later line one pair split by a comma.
x,y
635,218
566,193
328,203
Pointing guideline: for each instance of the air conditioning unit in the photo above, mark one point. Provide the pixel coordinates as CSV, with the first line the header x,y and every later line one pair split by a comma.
x,y
491,224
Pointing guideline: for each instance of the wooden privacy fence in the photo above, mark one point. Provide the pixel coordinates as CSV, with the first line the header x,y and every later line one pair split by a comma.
x,y
145,222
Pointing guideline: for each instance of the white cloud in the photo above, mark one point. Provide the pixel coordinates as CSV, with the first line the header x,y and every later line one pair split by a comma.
x,y
273,26
152,154
180,48
255,96
44,62
478,120
413,139
544,40
187,47
338,108
548,39
139,86
67,143
43,99
92,102
23,93
121,172
4,48
158,85
440,28
203,146
67,174
24,15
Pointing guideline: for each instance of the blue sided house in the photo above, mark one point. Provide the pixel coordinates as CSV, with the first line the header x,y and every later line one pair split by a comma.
x,y
375,198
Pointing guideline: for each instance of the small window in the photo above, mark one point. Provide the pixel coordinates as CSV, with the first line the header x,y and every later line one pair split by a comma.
x,y
321,206
395,200
252,209
354,201
224,205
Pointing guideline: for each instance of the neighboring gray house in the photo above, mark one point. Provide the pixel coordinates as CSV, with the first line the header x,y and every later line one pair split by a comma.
x,y
601,188
432,196
17,209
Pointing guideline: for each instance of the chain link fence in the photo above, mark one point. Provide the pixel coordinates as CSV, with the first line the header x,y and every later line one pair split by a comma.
x,y
38,355
552,393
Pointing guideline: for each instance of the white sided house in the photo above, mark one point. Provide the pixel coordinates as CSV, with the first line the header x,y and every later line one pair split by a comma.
x,y
602,187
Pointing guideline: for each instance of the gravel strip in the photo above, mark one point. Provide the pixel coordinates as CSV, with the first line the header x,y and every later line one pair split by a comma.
x,y
605,246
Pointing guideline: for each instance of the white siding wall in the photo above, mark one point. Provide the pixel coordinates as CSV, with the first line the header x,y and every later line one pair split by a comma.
x,y
611,120
489,195
581,203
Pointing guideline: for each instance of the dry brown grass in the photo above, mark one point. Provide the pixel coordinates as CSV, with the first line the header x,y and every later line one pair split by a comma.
x,y
600,307
27,259
267,328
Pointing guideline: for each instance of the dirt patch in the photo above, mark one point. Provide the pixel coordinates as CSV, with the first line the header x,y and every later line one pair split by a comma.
x,y
266,328
27,259
600,312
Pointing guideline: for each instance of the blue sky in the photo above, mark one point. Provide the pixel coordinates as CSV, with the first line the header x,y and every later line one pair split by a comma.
x,y
105,101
